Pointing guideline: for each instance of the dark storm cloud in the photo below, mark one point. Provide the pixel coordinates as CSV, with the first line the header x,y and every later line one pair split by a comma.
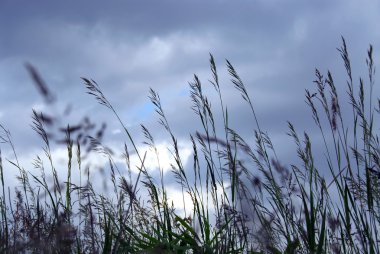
x,y
129,46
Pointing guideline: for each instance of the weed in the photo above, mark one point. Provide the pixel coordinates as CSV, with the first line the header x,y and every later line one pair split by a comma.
x,y
243,199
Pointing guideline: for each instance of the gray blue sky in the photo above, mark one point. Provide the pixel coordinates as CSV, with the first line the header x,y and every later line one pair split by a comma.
x,y
129,46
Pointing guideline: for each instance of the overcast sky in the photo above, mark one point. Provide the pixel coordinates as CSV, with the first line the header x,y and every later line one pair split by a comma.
x,y
128,47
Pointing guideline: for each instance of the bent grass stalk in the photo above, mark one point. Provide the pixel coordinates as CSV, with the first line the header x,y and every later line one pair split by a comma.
x,y
243,200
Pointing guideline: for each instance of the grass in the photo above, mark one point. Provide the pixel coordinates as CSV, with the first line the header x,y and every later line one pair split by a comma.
x,y
243,199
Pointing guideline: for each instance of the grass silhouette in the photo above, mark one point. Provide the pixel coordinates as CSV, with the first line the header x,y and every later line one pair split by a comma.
x,y
243,199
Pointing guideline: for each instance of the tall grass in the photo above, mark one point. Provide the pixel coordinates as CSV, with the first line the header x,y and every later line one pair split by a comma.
x,y
243,199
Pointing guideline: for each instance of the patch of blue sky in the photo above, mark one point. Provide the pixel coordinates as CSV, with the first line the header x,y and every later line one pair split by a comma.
x,y
184,92
143,111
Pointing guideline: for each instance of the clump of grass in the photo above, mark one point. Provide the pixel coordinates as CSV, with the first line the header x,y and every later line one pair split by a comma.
x,y
243,199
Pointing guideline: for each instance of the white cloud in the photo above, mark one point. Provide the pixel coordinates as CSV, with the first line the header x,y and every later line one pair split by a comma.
x,y
156,51
182,200
116,131
300,30
165,156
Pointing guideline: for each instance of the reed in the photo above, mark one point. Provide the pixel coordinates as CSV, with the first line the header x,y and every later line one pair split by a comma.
x,y
243,199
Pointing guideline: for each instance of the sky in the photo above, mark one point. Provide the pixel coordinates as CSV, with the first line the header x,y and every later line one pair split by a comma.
x,y
128,47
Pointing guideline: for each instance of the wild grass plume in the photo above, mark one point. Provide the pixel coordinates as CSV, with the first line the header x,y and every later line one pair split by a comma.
x,y
243,198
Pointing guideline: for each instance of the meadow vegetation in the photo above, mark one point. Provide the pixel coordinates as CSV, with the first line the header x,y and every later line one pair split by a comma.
x,y
244,200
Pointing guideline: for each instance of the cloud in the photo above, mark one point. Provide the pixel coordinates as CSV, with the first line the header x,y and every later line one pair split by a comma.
x,y
129,47
162,161
183,203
